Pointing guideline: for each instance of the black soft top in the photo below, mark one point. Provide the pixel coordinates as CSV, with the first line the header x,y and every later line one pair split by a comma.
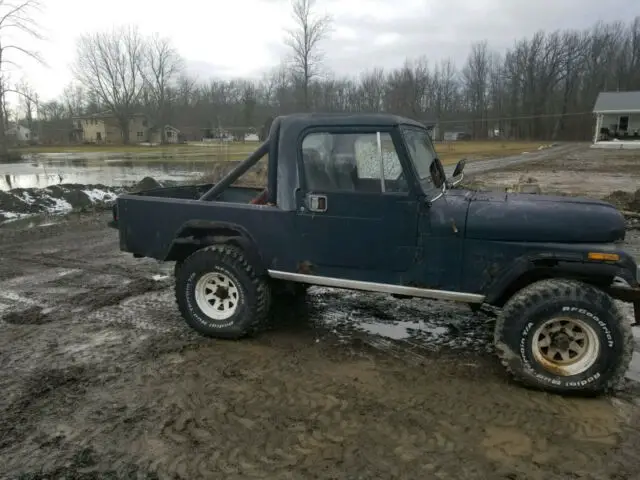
x,y
299,121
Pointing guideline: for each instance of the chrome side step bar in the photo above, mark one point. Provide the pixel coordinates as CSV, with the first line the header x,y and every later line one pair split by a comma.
x,y
377,287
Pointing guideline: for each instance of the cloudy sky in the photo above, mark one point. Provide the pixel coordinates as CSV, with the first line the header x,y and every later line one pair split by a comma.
x,y
245,37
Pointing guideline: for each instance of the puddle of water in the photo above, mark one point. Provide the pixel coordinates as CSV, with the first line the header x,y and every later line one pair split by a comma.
x,y
400,330
44,171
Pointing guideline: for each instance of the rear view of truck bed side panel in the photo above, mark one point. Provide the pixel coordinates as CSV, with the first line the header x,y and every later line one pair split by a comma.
x,y
149,225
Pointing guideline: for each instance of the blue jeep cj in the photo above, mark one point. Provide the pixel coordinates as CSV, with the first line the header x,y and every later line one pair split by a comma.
x,y
362,202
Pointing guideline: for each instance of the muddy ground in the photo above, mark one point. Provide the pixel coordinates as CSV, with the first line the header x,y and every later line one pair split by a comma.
x,y
101,378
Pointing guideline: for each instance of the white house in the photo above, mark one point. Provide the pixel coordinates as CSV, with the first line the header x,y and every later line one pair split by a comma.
x,y
171,135
21,134
617,119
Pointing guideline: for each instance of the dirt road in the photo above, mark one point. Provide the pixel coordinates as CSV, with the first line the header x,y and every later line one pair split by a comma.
x,y
101,379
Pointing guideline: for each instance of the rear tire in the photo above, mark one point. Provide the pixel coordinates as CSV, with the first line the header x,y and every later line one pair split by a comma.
x,y
564,336
219,293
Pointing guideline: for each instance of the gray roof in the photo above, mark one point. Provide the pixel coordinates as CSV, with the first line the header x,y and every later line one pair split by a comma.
x,y
617,102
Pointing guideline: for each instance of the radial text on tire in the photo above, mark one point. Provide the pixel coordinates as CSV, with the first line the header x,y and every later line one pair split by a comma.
x,y
219,293
564,336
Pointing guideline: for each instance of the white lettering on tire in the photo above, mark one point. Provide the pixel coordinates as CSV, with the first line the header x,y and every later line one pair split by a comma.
x,y
596,319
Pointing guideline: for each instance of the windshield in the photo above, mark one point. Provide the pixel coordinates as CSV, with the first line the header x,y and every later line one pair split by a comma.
x,y
421,151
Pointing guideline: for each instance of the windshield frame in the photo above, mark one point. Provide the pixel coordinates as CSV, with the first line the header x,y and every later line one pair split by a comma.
x,y
427,182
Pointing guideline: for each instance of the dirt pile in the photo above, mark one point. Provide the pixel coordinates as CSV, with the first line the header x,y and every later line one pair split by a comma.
x,y
625,200
62,198
65,198
147,183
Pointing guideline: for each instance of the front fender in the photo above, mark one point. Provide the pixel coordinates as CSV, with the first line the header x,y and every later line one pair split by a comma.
x,y
530,268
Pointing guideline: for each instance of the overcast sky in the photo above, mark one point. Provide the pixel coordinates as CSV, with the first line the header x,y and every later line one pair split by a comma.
x,y
244,37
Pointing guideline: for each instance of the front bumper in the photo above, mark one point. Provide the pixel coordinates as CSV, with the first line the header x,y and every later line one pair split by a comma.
x,y
623,291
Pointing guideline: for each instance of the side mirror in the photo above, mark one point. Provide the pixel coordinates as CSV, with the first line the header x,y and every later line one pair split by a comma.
x,y
458,173
438,175
459,168
439,178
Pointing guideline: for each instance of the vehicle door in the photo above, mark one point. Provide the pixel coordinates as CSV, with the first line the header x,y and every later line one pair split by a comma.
x,y
355,210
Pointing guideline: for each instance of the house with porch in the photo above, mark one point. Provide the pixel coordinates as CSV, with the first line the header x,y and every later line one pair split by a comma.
x,y
617,120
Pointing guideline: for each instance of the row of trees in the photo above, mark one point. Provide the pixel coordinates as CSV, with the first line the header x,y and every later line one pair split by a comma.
x,y
543,87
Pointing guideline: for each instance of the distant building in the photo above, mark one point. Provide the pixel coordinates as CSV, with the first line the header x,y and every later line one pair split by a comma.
x,y
21,134
456,134
103,128
171,135
617,118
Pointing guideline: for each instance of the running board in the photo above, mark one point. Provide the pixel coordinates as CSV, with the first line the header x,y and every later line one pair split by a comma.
x,y
377,287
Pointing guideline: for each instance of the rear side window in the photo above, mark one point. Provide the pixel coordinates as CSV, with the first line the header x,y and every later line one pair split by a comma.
x,y
355,162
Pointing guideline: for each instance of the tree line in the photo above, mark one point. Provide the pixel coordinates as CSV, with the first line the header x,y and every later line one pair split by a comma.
x,y
543,87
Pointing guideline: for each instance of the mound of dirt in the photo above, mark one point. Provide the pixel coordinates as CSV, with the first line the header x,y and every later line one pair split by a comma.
x,y
147,183
625,200
63,198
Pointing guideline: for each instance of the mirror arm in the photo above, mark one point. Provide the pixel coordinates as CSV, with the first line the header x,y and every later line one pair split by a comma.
x,y
439,196
456,182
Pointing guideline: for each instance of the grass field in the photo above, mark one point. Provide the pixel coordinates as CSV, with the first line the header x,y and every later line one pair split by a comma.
x,y
179,148
449,152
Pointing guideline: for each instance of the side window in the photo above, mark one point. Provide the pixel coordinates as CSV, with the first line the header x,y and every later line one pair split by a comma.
x,y
368,158
352,162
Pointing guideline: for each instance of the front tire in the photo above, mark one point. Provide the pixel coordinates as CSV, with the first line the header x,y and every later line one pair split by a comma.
x,y
564,336
219,293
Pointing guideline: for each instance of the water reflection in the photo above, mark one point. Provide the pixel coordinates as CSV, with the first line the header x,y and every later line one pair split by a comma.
x,y
44,171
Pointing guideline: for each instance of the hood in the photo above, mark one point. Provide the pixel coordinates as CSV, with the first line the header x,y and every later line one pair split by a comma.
x,y
542,218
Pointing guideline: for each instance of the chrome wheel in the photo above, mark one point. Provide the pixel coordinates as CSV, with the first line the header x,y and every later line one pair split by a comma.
x,y
566,346
217,296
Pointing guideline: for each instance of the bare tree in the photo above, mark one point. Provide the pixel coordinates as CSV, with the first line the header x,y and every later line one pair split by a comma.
x,y
74,99
28,101
372,90
110,65
304,40
543,87
52,111
476,79
14,16
163,66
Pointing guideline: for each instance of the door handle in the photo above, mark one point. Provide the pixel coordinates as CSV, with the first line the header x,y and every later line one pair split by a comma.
x,y
317,203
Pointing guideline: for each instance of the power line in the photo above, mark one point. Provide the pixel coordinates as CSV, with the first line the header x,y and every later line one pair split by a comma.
x,y
521,117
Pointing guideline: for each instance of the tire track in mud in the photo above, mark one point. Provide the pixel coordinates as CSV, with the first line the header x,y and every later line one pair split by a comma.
x,y
80,280
226,415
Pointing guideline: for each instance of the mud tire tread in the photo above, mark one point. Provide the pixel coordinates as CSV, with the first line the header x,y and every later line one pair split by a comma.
x,y
234,256
549,289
